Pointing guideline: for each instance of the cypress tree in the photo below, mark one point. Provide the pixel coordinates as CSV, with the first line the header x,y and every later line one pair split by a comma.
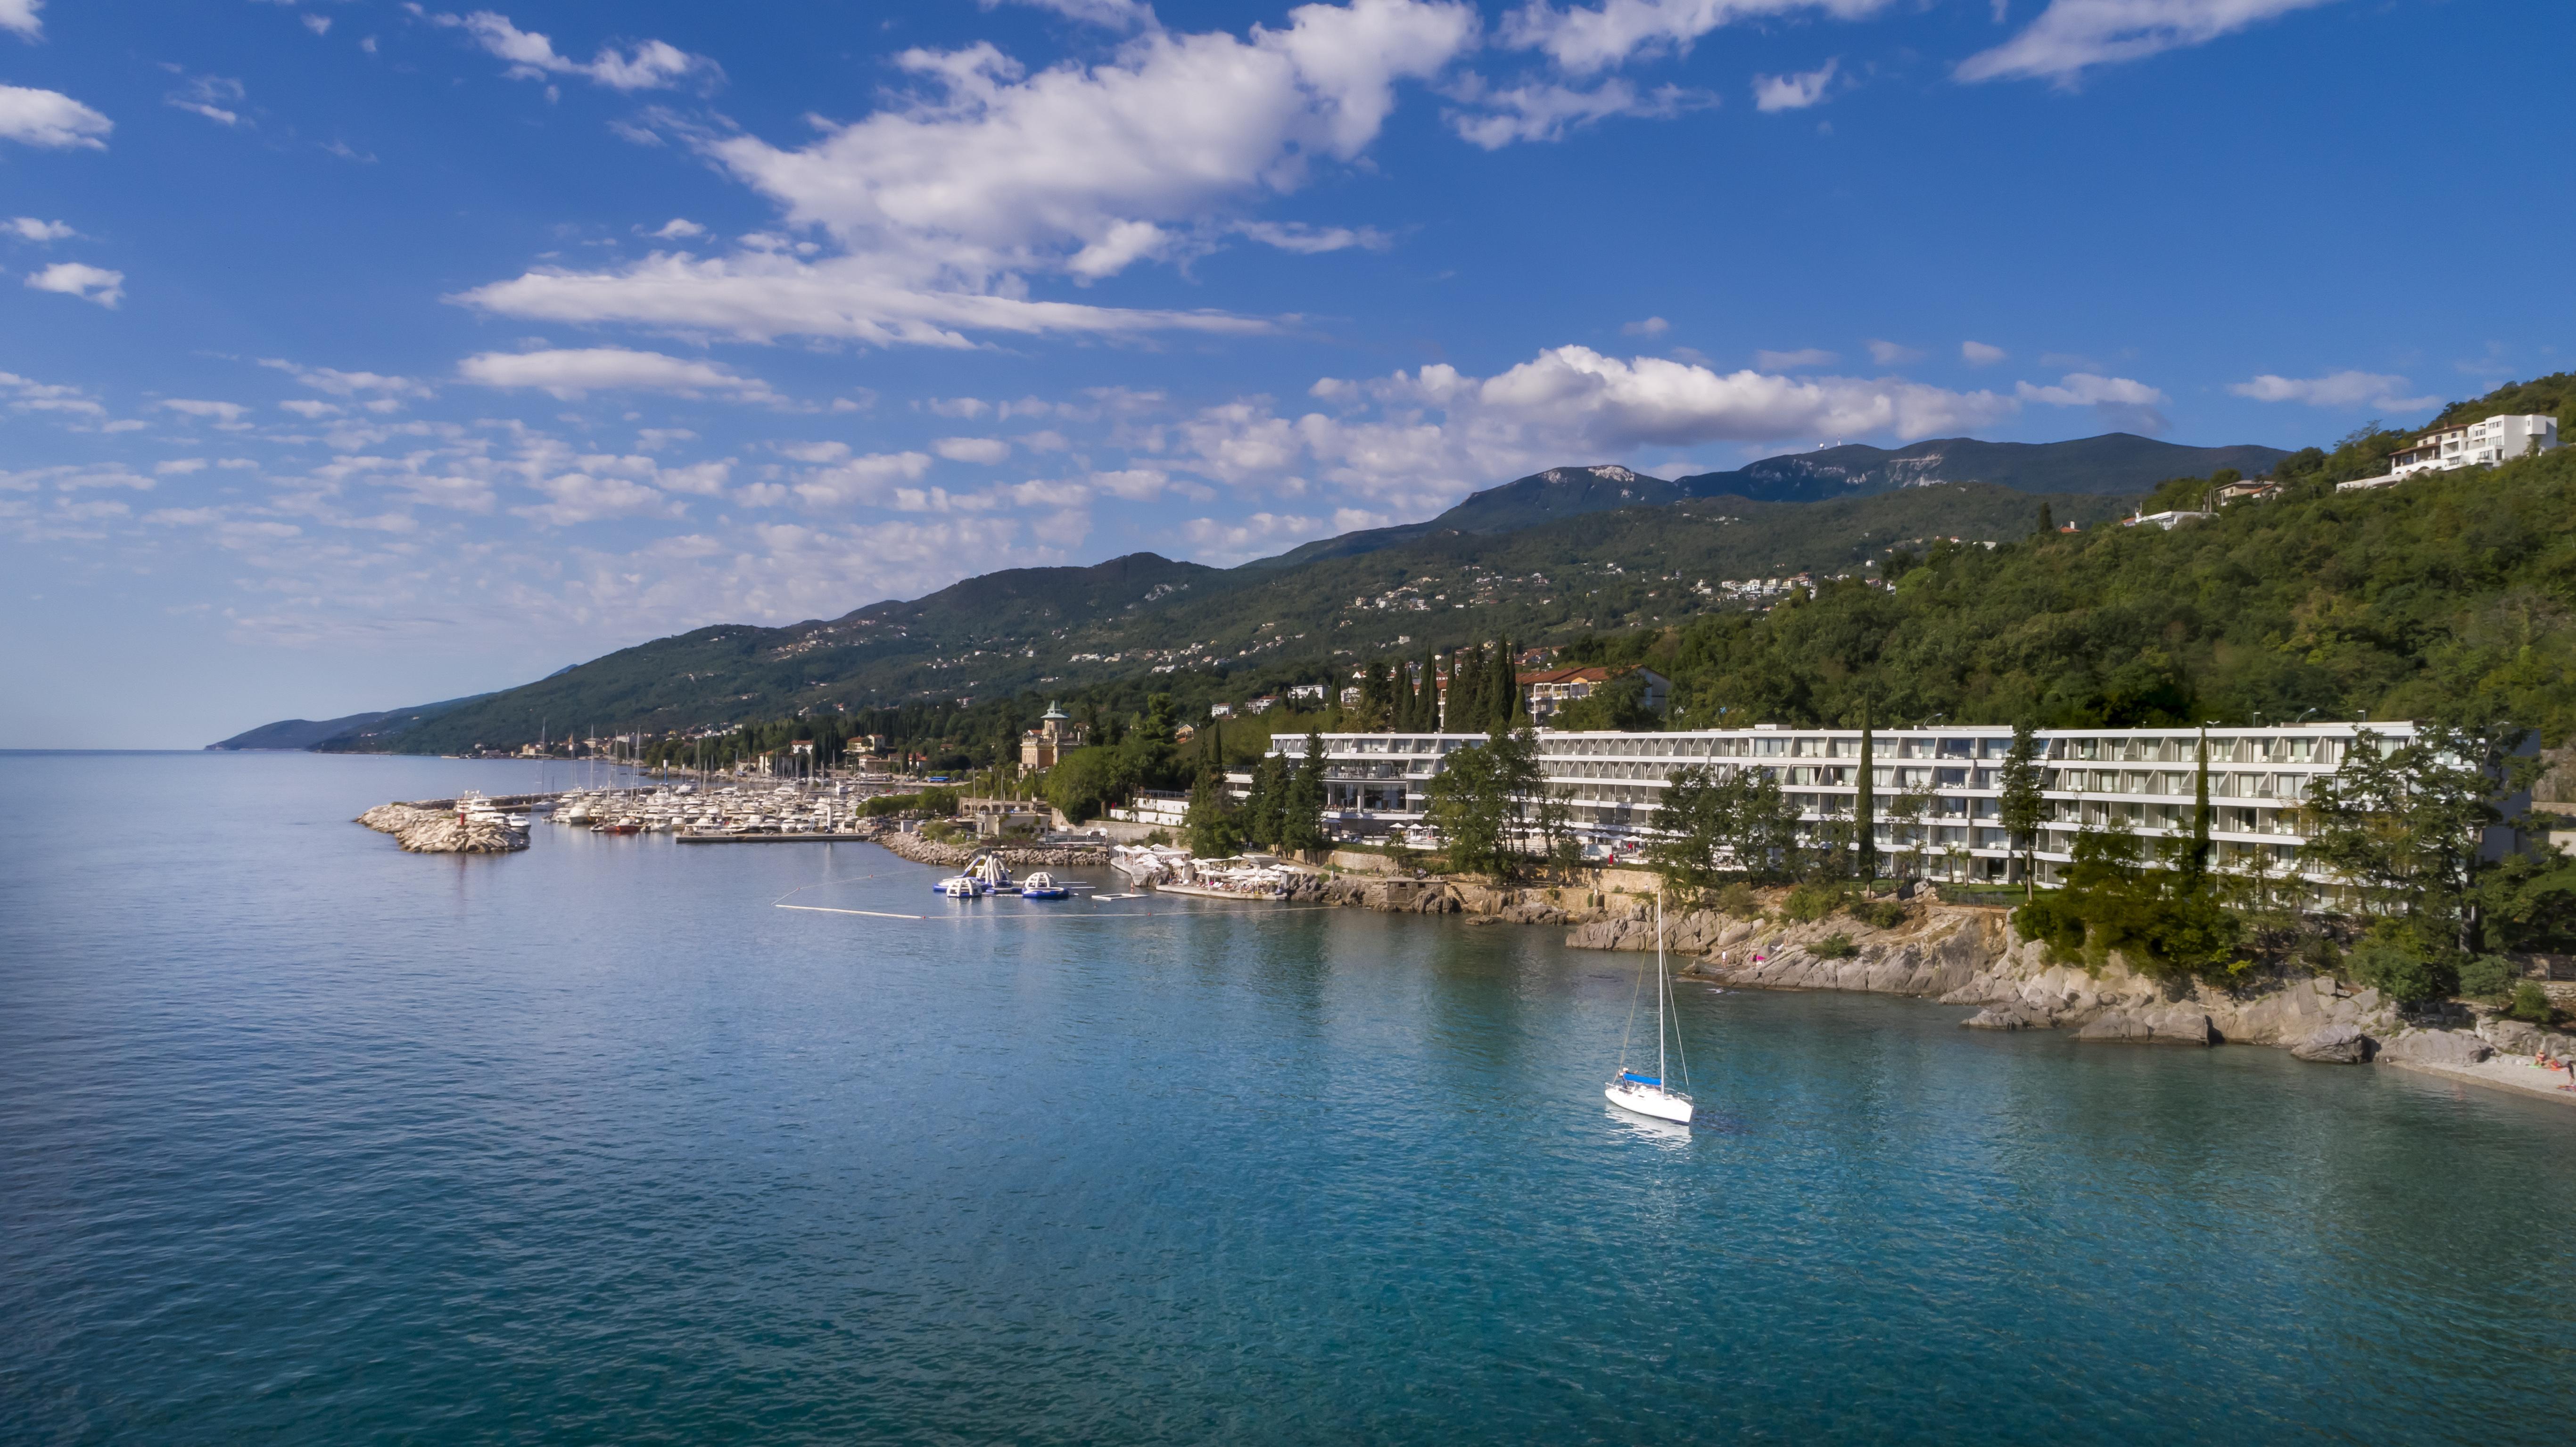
x,y
1502,688
1426,712
2047,521
2198,864
1865,808
1467,689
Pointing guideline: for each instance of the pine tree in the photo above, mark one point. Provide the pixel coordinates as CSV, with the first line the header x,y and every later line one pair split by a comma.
x,y
2022,805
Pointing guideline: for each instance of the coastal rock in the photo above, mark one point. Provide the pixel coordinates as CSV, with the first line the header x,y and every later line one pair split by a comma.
x,y
2435,1047
2175,1025
2334,1045
2517,1037
2002,1017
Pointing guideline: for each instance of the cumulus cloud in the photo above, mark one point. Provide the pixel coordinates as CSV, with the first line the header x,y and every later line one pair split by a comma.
x,y
311,410
678,228
2072,35
941,205
573,373
50,119
1588,39
576,497
1545,111
28,228
1312,240
2347,390
26,394
1242,539
646,65
19,18
1792,92
972,449
89,283
1414,442
1797,361
1979,354
2118,402
1114,14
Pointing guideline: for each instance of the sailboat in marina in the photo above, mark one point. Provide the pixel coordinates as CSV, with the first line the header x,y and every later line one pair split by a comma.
x,y
1653,1095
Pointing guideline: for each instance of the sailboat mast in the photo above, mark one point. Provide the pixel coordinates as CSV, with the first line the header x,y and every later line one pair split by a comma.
x,y
1659,990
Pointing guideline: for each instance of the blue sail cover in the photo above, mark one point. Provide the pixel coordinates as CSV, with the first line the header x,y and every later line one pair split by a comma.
x,y
1640,1079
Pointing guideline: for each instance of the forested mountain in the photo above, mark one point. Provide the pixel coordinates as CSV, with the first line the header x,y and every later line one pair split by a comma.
x,y
1066,629
300,733
2445,596
2118,463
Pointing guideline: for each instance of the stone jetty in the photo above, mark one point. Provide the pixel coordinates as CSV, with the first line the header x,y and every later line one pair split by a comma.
x,y
441,831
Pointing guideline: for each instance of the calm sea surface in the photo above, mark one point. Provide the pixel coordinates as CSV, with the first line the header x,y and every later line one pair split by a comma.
x,y
303,1139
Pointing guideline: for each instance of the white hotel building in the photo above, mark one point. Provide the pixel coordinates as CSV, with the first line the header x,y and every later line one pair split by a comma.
x,y
1376,783
2497,439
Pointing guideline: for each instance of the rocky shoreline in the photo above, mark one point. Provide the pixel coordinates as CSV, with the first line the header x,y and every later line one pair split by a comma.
x,y
1018,856
1965,955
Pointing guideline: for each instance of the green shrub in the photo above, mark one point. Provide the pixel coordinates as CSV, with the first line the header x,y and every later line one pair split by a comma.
x,y
1739,900
1877,913
2530,1002
1811,902
2051,919
2390,961
2487,977
1834,947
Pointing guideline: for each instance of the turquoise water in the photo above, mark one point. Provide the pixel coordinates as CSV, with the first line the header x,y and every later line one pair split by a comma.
x,y
306,1140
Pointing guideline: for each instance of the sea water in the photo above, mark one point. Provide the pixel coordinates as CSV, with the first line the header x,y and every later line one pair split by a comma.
x,y
306,1140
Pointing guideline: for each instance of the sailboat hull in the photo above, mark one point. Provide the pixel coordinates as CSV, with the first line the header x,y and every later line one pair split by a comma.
x,y
1650,1100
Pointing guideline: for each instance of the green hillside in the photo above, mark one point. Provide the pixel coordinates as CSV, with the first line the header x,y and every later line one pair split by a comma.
x,y
2118,463
1066,630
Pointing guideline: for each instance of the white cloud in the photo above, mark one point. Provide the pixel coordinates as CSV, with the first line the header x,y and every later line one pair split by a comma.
x,y
1239,540
178,467
646,65
865,479
50,118
28,228
1891,354
1792,92
211,96
346,384
1313,240
569,374
946,200
812,451
311,410
1411,443
1797,361
26,394
2340,389
959,406
89,283
1115,14
20,16
2119,402
318,24
1650,327
678,228
1542,111
2073,34
1136,484
1979,354
225,415
576,497
972,449
1586,40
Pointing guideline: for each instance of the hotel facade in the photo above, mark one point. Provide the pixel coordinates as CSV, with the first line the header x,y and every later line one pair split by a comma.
x,y
1377,784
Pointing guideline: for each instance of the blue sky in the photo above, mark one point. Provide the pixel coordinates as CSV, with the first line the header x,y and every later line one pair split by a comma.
x,y
358,354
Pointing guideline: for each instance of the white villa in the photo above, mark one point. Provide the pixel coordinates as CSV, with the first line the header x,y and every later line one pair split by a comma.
x,y
1376,783
2475,444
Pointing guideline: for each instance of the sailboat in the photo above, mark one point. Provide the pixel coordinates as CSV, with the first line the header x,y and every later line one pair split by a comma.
x,y
1653,1095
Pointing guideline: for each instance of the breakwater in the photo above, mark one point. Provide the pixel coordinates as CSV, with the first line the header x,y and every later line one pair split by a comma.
x,y
1018,856
443,831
